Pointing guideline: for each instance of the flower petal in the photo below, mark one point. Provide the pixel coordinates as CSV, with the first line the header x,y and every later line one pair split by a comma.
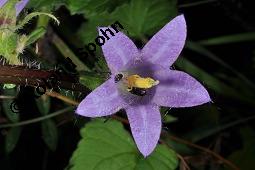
x,y
103,101
118,50
20,5
145,123
2,2
178,89
165,46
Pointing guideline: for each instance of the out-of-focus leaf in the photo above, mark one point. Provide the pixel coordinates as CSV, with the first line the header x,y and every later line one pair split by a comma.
x,y
8,104
93,7
67,52
209,80
47,5
202,50
88,31
50,134
91,80
244,158
108,146
35,35
227,39
142,17
12,138
43,104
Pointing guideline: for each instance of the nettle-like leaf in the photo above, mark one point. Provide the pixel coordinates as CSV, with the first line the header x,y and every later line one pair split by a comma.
x,y
93,7
108,146
139,18
142,17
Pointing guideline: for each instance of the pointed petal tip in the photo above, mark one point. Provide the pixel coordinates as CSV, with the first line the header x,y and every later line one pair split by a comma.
x,y
2,3
146,153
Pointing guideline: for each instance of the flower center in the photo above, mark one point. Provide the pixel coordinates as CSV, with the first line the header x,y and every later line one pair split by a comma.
x,y
136,84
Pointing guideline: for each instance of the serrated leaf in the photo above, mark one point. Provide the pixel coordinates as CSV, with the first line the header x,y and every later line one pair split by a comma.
x,y
12,138
8,104
43,104
142,17
50,134
108,146
35,35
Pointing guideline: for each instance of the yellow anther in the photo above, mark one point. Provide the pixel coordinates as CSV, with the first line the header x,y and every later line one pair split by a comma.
x,y
140,82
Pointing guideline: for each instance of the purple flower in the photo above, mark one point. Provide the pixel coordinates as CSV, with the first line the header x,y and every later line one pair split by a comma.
x,y
19,6
175,88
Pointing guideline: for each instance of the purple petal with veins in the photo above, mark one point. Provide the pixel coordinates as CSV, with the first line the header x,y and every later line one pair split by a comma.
x,y
145,123
178,89
118,50
103,101
175,88
165,46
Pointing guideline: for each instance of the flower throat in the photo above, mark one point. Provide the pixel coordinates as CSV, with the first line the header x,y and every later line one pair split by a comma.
x,y
136,84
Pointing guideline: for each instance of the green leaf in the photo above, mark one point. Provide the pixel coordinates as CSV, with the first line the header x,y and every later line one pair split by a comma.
x,y
50,134
142,17
8,104
92,7
108,146
12,138
43,104
91,80
88,31
244,158
46,5
35,35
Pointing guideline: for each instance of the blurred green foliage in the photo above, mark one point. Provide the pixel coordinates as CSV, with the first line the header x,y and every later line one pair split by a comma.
x,y
109,145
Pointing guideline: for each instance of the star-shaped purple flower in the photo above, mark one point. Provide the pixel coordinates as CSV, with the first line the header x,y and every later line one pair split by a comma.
x,y
175,88
19,6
